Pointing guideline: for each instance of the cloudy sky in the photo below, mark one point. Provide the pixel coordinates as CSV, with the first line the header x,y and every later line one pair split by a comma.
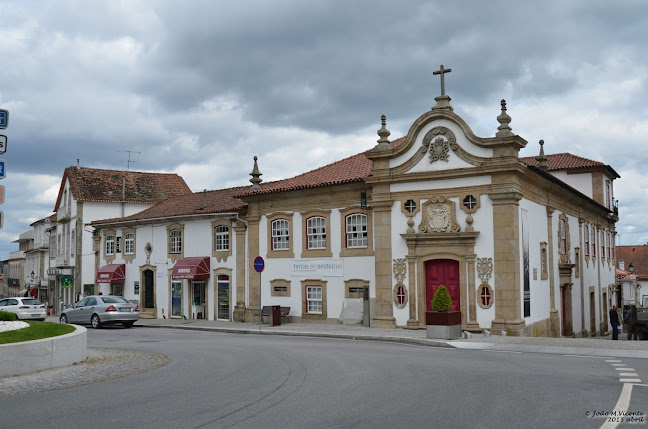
x,y
200,87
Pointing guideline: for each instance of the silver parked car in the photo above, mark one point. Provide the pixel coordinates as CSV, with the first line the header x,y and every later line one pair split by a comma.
x,y
98,310
24,308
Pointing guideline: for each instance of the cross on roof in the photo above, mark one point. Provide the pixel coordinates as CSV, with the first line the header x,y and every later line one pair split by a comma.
x,y
442,71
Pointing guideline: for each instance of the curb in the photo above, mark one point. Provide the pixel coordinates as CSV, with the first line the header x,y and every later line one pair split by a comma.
x,y
416,341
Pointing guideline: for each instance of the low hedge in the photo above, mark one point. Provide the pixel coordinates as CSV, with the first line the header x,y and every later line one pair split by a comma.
x,y
6,316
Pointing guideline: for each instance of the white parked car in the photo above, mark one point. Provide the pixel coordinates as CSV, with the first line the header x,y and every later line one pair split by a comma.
x,y
24,308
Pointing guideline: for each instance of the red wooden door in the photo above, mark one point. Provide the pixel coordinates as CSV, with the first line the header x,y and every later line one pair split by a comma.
x,y
442,272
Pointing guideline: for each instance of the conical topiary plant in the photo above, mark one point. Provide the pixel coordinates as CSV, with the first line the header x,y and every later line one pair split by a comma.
x,y
441,301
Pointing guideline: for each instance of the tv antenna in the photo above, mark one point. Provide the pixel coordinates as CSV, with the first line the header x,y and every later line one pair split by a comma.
x,y
129,162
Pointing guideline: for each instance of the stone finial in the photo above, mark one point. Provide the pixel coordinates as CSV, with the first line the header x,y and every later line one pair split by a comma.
x,y
256,177
504,119
383,132
542,159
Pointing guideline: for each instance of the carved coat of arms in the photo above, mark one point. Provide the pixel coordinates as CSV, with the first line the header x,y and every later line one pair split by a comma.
x,y
439,149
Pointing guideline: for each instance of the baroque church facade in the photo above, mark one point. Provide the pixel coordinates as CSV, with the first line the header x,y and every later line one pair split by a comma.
x,y
524,245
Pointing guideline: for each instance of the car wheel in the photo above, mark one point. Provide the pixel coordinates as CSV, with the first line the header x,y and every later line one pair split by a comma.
x,y
63,318
128,324
96,323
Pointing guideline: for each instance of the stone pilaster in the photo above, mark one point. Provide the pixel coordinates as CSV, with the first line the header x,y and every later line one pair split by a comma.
x,y
471,323
382,242
412,323
239,309
252,311
507,263
554,319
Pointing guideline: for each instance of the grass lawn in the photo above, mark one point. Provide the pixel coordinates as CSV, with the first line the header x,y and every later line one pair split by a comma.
x,y
35,331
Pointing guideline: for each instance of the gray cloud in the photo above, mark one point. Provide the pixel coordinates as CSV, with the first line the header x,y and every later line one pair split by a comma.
x,y
191,84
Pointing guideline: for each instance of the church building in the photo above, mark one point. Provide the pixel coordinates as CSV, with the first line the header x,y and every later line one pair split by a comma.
x,y
524,245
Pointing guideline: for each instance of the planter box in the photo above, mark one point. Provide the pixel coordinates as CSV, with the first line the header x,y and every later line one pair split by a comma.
x,y
444,325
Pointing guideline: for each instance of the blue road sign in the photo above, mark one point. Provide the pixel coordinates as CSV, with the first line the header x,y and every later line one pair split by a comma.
x,y
3,143
259,264
2,168
4,118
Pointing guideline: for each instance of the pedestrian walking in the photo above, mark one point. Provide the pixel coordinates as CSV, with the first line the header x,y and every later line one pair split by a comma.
x,y
614,321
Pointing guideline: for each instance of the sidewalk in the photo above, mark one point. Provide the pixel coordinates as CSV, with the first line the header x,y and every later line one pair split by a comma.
x,y
598,346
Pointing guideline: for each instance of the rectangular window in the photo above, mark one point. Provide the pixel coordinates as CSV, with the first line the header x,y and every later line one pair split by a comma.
x,y
356,230
316,232
175,241
110,244
586,236
118,245
129,243
221,237
608,195
593,241
314,299
607,242
73,244
280,235
602,245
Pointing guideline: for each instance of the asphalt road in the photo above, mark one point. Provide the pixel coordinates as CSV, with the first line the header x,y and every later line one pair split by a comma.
x,y
214,380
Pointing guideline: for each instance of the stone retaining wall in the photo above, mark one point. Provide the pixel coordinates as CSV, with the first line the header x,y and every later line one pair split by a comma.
x,y
31,356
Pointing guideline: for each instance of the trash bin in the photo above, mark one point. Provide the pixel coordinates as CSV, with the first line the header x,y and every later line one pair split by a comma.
x,y
275,319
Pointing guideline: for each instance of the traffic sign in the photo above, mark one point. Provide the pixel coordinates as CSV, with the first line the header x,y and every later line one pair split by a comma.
x,y
2,169
1,194
4,118
3,143
1,219
259,264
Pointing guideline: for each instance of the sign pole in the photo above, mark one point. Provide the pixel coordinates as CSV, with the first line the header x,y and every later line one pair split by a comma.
x,y
260,315
259,265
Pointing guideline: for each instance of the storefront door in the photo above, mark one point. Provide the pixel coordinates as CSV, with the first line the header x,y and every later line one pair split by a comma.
x,y
198,299
223,298
176,299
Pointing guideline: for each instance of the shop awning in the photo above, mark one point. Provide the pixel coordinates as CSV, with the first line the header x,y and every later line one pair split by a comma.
x,y
112,273
196,268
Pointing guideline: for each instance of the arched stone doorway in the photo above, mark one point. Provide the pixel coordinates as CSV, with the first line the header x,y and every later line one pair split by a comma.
x,y
148,307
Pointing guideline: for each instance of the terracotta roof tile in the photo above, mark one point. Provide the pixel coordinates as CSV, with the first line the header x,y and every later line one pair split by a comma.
x,y
635,255
204,202
348,170
93,184
563,161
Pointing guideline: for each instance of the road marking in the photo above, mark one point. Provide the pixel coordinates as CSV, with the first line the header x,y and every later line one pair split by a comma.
x,y
630,380
625,369
613,360
500,351
618,364
621,406
592,357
